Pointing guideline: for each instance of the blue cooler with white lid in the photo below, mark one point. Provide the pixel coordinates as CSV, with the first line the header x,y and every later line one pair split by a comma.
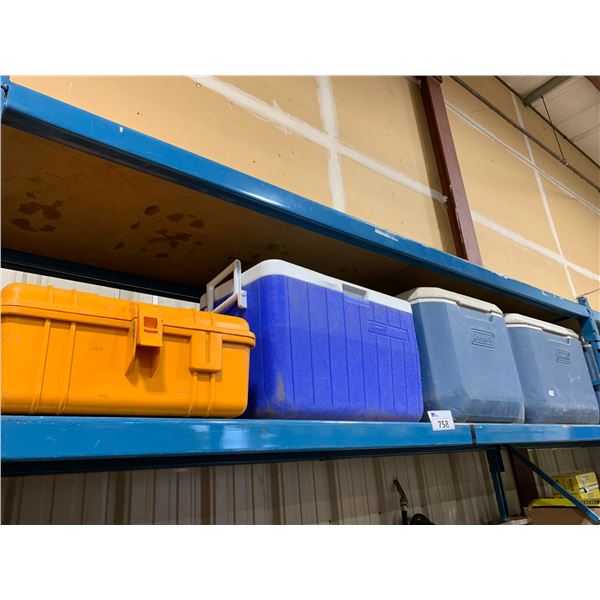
x,y
553,372
467,365
325,348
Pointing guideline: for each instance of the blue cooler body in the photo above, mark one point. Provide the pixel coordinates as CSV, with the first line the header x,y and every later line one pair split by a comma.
x,y
326,349
553,372
467,365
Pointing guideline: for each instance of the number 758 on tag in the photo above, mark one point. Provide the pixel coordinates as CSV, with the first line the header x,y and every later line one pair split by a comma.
x,y
441,420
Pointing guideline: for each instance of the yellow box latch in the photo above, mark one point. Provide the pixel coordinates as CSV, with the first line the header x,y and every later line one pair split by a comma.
x,y
206,352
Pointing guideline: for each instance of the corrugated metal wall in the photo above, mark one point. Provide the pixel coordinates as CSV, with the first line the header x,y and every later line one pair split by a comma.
x,y
448,488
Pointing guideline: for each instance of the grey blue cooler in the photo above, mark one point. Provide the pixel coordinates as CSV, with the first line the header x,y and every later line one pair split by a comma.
x,y
553,372
467,365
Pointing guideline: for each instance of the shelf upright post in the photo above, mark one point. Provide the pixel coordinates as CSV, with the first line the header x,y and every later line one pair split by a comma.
x,y
494,458
3,94
590,334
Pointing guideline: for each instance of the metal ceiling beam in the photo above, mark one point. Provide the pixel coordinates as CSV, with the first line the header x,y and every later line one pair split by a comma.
x,y
524,131
545,119
459,214
594,80
544,89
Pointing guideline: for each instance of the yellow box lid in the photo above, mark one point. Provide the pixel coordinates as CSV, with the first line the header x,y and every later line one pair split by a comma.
x,y
26,299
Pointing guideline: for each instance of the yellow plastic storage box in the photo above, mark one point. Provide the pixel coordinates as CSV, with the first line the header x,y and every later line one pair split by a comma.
x,y
67,352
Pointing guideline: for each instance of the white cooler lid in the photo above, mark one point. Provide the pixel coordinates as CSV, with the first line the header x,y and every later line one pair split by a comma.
x,y
281,267
516,320
433,294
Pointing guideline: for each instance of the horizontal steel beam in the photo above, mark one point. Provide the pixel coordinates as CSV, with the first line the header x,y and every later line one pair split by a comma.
x,y
544,89
52,267
530,435
55,444
83,443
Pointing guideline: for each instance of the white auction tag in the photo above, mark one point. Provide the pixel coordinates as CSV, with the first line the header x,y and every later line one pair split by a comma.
x,y
441,420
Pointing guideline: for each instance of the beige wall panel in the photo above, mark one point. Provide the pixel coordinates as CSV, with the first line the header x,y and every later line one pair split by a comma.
x,y
538,127
565,176
541,130
384,118
380,201
499,185
580,162
586,286
577,226
513,260
481,114
294,95
491,89
200,121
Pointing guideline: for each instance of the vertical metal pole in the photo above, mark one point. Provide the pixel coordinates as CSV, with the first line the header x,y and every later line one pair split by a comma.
x,y
494,458
589,330
3,94
459,214
524,481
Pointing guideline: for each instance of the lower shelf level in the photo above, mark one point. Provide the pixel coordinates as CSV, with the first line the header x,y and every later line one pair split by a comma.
x,y
56,444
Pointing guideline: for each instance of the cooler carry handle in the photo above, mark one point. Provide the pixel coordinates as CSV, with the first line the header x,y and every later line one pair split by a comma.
x,y
238,295
352,290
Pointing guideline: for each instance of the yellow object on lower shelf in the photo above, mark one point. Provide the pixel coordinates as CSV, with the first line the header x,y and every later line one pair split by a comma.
x,y
584,486
562,501
67,352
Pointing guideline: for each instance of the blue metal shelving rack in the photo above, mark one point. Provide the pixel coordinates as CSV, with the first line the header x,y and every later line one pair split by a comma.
x,y
49,440
44,444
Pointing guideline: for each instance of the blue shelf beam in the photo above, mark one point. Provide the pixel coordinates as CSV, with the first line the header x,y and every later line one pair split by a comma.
x,y
41,115
53,444
52,267
529,436
67,438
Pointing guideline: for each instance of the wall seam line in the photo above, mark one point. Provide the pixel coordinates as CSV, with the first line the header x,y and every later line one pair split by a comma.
x,y
330,124
288,123
525,243
544,198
